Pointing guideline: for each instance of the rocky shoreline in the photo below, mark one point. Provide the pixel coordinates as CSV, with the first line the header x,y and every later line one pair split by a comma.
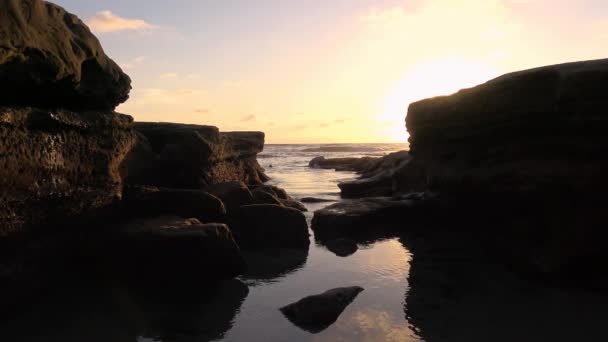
x,y
88,193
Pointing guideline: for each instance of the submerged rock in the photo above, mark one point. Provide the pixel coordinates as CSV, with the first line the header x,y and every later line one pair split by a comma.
x,y
50,59
316,313
343,164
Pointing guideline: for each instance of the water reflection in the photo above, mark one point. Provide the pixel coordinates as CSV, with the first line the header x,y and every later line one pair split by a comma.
x,y
271,265
96,309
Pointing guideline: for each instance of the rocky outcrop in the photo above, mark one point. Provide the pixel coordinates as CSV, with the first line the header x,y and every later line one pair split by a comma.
x,y
316,313
50,59
193,156
530,130
59,164
377,174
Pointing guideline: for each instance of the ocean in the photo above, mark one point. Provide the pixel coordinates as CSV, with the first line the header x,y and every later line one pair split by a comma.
x,y
381,267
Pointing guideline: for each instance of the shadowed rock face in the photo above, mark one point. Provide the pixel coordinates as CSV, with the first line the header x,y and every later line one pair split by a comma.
x,y
527,130
59,164
50,59
193,156
316,313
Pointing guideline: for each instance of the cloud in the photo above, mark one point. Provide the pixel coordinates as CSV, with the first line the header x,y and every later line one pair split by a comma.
x,y
248,118
106,22
168,75
133,63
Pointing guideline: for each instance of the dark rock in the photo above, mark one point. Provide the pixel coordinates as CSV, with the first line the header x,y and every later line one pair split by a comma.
x,y
171,248
50,59
532,143
358,217
315,200
260,196
147,201
267,225
316,313
59,165
342,247
233,194
291,203
343,164
193,156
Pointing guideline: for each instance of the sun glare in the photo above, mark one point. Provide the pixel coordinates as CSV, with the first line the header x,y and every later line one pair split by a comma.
x,y
433,78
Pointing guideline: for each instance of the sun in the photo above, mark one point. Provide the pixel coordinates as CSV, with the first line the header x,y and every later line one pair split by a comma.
x,y
432,78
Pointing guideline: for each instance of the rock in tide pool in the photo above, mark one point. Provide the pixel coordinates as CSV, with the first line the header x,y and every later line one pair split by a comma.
x,y
267,225
170,248
342,247
50,59
315,200
316,313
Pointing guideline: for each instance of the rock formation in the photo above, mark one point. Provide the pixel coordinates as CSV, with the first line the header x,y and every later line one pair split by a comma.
x,y
50,59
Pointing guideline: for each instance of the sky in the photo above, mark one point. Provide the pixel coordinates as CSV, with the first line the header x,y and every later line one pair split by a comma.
x,y
327,71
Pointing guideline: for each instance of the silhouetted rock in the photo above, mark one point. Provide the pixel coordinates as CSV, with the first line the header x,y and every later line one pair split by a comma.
x,y
269,194
260,196
142,201
267,225
342,164
60,164
171,248
535,136
50,59
342,247
316,313
193,156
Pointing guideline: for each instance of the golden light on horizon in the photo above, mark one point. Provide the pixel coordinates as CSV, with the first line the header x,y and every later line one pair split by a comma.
x,y
429,79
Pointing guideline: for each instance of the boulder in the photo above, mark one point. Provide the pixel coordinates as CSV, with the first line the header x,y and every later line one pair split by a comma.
x,y
268,225
194,156
269,194
59,164
233,194
260,196
171,248
50,59
316,313
152,201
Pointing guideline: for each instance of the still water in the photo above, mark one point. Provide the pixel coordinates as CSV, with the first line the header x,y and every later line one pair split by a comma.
x,y
381,267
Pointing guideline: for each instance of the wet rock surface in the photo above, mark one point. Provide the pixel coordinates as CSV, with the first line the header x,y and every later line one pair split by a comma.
x,y
342,247
316,313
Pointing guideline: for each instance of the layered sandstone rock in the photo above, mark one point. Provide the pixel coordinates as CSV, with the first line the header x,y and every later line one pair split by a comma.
x,y
194,156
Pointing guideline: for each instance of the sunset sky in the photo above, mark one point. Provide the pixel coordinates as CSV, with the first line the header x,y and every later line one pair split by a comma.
x,y
322,71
